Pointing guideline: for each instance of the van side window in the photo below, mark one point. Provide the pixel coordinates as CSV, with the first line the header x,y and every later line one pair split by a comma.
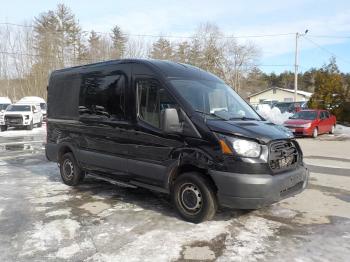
x,y
103,95
151,100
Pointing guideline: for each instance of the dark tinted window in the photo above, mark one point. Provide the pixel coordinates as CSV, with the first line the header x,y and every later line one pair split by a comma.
x,y
152,99
326,114
103,95
323,115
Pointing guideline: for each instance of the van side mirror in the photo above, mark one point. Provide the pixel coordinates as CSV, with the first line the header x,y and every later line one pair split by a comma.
x,y
170,122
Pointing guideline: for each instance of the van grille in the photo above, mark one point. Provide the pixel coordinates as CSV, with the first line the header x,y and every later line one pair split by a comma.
x,y
283,155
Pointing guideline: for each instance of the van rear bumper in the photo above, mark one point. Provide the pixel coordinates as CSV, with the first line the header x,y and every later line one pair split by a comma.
x,y
252,191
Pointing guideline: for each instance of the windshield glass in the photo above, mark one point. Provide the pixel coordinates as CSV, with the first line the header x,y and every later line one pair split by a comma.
x,y
3,106
214,99
307,115
18,108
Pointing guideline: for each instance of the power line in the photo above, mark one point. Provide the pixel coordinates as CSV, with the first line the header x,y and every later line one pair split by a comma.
x,y
329,36
326,50
164,36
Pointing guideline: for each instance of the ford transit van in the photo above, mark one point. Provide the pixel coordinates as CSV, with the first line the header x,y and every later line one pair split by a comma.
x,y
171,128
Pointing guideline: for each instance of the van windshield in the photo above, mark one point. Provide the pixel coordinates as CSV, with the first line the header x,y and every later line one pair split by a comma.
x,y
214,99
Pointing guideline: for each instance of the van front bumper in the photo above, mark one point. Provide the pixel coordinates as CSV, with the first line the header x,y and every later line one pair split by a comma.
x,y
253,191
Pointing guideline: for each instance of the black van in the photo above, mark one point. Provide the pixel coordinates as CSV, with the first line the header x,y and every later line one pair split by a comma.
x,y
172,128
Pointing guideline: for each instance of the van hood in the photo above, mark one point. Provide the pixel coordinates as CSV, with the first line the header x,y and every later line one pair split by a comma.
x,y
262,131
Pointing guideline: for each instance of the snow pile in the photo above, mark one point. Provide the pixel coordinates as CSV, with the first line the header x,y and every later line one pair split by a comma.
x,y
273,115
340,129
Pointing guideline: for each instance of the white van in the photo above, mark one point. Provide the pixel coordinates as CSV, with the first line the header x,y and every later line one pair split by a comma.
x,y
4,103
34,100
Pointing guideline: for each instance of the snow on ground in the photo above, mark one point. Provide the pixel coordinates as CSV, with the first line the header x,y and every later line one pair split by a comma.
x,y
273,115
23,132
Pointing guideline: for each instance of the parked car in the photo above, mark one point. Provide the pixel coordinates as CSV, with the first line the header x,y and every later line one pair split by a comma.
x,y
4,103
152,124
35,100
21,115
311,123
290,107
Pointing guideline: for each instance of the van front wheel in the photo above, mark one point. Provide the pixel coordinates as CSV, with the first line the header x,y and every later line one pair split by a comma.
x,y
194,197
71,174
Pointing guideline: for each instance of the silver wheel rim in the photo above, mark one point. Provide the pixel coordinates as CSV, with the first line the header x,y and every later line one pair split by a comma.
x,y
315,132
68,169
332,131
191,198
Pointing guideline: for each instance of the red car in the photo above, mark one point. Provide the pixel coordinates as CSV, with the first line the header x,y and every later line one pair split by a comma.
x,y
311,123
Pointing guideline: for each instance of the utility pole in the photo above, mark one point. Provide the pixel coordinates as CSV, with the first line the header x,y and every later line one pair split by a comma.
x,y
296,68
297,35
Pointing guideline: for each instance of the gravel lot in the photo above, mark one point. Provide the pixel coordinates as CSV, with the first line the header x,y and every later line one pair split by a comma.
x,y
42,219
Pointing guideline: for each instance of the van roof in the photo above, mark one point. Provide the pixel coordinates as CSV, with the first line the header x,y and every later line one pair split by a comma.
x,y
168,69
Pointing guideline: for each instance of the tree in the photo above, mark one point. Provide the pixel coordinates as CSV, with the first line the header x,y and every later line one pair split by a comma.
x,y
119,41
182,53
329,90
162,49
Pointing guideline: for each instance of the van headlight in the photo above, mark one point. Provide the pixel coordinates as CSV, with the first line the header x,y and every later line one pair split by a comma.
x,y
246,148
241,147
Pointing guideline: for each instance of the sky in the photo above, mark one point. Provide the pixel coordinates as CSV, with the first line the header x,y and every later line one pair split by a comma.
x,y
328,23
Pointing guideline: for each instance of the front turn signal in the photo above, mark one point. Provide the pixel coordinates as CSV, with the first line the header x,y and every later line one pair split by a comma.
x,y
225,148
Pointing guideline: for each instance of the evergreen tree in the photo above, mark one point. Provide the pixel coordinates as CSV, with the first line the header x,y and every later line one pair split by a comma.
x,y
329,90
162,49
119,41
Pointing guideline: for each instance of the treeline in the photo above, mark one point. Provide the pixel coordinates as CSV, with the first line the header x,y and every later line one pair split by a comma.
x,y
56,40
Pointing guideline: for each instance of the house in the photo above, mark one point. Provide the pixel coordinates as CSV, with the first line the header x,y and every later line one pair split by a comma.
x,y
276,94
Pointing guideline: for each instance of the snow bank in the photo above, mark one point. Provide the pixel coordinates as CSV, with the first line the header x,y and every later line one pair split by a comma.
x,y
340,129
273,115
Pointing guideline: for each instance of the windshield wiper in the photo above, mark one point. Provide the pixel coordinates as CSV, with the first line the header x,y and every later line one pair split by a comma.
x,y
244,118
211,114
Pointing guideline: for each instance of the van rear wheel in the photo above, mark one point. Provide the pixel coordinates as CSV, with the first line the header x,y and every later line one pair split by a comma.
x,y
71,173
194,197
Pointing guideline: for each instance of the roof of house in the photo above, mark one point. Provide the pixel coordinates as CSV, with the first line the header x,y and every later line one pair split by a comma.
x,y
300,92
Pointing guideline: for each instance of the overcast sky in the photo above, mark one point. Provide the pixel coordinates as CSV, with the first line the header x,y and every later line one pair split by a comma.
x,y
240,18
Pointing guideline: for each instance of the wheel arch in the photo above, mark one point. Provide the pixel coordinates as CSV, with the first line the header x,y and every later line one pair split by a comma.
x,y
187,168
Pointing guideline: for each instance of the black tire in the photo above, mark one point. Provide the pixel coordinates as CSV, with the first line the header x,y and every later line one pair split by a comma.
x,y
3,128
30,127
315,132
194,197
40,123
71,173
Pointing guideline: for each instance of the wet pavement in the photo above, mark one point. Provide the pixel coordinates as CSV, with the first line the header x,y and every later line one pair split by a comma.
x,y
41,219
